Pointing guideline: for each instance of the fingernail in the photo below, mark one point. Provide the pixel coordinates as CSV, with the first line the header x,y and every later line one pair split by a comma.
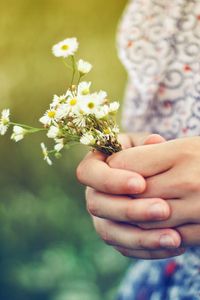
x,y
167,241
136,185
158,211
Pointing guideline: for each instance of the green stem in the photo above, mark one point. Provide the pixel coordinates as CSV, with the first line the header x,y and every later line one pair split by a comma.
x,y
51,151
33,129
66,64
79,79
74,69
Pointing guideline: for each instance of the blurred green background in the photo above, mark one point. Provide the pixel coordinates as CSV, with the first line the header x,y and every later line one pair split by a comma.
x,y
48,247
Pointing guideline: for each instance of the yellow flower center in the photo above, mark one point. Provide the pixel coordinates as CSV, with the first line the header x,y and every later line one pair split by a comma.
x,y
73,102
5,121
51,114
45,153
91,105
107,131
85,92
65,47
81,111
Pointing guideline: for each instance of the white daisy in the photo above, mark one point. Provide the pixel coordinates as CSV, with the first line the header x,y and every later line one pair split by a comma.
x,y
48,117
84,88
102,112
113,107
83,67
87,139
46,154
57,100
79,120
65,48
62,111
102,95
73,104
4,121
69,92
5,116
89,104
59,145
18,133
53,132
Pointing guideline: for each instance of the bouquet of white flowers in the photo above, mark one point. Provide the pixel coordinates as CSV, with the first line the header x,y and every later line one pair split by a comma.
x,y
79,116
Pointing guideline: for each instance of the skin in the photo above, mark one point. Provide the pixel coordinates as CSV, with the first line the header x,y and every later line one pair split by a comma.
x,y
125,195
172,172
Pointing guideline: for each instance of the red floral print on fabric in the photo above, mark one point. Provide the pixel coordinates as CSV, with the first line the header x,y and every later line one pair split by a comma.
x,y
170,268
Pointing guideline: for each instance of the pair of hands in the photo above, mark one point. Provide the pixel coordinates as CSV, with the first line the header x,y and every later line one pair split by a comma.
x,y
145,200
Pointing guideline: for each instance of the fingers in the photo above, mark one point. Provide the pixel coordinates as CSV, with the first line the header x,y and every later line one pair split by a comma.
x,y
147,160
182,212
147,213
190,235
125,209
164,185
153,139
125,141
174,183
129,140
134,238
138,138
94,172
149,254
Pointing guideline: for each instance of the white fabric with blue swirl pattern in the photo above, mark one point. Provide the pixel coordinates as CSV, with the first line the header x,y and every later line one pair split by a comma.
x,y
159,45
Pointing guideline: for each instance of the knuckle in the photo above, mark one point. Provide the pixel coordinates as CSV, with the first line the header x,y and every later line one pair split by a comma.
x,y
137,241
105,236
129,212
92,206
140,242
191,148
189,183
193,186
102,228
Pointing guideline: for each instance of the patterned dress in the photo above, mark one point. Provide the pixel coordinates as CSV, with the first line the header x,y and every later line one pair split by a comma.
x,y
159,44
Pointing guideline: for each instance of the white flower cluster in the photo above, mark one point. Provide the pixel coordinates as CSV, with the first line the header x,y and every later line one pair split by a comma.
x,y
81,116
78,116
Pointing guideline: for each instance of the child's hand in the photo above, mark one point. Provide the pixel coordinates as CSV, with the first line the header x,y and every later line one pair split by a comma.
x,y
112,210
173,173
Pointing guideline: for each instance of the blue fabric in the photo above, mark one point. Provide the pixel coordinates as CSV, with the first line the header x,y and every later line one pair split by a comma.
x,y
169,279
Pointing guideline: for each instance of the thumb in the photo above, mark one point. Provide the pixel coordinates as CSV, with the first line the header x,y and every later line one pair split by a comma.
x,y
153,139
147,160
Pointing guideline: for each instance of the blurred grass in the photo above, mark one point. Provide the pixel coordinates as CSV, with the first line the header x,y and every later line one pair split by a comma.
x,y
49,249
